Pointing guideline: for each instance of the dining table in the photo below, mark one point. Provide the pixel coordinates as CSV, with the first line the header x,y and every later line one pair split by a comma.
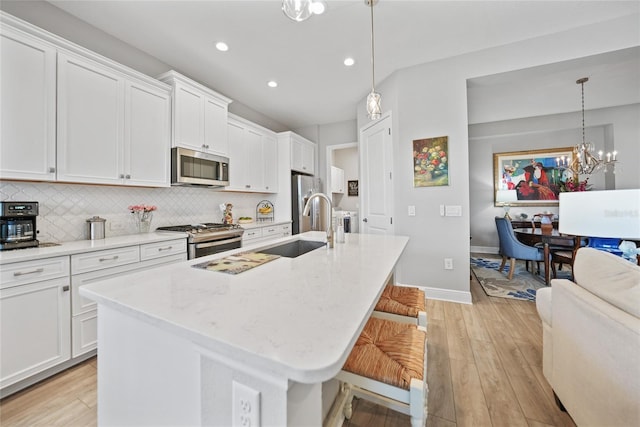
x,y
533,236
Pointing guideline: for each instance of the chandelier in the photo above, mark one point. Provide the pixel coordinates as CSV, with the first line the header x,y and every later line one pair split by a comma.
x,y
300,10
374,108
585,161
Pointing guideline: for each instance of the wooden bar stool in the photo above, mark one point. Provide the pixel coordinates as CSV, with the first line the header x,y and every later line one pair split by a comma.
x,y
402,304
388,366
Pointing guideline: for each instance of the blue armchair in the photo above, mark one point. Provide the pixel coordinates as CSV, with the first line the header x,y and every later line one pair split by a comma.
x,y
512,248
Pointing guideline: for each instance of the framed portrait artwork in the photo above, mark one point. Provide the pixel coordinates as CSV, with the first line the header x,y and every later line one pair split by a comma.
x,y
531,178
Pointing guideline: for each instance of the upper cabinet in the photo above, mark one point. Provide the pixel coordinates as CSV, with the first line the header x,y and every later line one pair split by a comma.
x,y
253,157
337,180
112,128
199,115
27,107
303,153
71,115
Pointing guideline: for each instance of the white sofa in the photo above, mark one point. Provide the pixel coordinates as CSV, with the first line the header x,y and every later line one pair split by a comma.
x,y
591,339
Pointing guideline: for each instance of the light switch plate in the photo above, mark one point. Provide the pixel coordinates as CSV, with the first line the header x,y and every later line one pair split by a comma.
x,y
412,211
453,210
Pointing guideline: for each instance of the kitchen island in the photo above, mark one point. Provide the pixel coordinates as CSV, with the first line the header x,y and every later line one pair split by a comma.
x,y
187,346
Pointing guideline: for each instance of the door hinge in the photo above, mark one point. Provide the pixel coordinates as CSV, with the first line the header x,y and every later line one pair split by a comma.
x,y
390,176
389,131
391,219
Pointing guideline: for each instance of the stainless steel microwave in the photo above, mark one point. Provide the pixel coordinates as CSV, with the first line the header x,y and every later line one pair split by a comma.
x,y
189,167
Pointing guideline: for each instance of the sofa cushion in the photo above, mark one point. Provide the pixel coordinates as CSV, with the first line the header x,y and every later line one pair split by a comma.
x,y
610,277
543,304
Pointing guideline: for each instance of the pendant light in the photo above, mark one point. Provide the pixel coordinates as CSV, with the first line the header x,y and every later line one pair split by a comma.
x,y
585,161
301,10
374,108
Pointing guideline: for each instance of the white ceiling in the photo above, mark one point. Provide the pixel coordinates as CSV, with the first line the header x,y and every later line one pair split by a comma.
x,y
306,58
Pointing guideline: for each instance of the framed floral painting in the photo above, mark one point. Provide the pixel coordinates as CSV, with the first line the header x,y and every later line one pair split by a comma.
x,y
431,162
532,178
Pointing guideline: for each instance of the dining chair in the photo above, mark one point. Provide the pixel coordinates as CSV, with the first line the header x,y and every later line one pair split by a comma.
x,y
565,255
512,248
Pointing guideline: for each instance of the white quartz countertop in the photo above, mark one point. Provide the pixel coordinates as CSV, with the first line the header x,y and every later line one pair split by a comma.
x,y
259,224
84,246
292,317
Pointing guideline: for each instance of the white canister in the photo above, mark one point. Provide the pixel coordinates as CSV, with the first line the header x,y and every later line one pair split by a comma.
x,y
95,228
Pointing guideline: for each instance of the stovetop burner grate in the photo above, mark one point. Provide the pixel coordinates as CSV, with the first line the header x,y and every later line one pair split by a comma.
x,y
200,228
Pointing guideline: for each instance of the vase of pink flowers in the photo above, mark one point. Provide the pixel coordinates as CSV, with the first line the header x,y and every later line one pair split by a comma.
x,y
142,215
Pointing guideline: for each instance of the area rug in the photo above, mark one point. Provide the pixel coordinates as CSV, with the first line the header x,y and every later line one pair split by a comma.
x,y
522,286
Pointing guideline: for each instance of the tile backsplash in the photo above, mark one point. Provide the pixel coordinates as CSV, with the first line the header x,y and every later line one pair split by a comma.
x,y
64,208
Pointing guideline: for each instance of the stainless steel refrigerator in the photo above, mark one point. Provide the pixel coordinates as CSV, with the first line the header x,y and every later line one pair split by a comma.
x,y
303,186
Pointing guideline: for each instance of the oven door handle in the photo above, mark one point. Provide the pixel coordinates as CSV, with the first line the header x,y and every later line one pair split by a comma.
x,y
217,243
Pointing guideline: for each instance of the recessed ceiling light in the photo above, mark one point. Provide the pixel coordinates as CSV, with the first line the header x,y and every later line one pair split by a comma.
x,y
349,62
318,7
222,46
272,83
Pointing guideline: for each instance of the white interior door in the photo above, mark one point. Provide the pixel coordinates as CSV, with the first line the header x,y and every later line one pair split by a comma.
x,y
376,190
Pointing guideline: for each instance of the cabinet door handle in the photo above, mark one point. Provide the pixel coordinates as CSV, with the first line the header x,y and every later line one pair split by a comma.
x,y
127,176
121,176
65,288
248,186
113,258
22,273
168,248
52,170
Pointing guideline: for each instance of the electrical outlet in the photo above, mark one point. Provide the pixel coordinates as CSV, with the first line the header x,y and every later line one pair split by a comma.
x,y
412,211
246,406
448,263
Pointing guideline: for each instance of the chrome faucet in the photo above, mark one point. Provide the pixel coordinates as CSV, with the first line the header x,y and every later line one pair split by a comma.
x,y
307,210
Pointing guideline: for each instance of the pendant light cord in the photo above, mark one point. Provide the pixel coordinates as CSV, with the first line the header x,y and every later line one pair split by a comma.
x,y
373,57
583,139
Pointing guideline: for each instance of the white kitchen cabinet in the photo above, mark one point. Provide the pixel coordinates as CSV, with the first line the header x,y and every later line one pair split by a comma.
x,y
27,107
253,157
34,319
271,166
107,264
111,129
147,139
90,121
199,115
303,153
265,233
337,180
215,125
71,115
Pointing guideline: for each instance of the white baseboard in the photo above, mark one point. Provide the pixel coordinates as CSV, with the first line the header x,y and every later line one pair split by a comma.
x,y
484,249
461,297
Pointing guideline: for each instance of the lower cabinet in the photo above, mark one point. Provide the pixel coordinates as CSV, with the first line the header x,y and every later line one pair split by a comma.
x,y
44,322
34,320
84,316
268,232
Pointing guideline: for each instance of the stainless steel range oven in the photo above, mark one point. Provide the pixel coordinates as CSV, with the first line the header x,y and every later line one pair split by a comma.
x,y
209,238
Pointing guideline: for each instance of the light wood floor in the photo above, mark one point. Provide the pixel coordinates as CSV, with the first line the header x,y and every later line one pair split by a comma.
x,y
484,369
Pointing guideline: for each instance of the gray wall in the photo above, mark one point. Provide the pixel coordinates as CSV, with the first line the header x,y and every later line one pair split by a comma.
x,y
619,123
430,100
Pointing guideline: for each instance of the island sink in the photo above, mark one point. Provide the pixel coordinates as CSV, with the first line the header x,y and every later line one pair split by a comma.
x,y
293,249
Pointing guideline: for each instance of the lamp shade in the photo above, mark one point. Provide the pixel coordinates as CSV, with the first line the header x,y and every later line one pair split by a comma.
x,y
610,213
506,196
